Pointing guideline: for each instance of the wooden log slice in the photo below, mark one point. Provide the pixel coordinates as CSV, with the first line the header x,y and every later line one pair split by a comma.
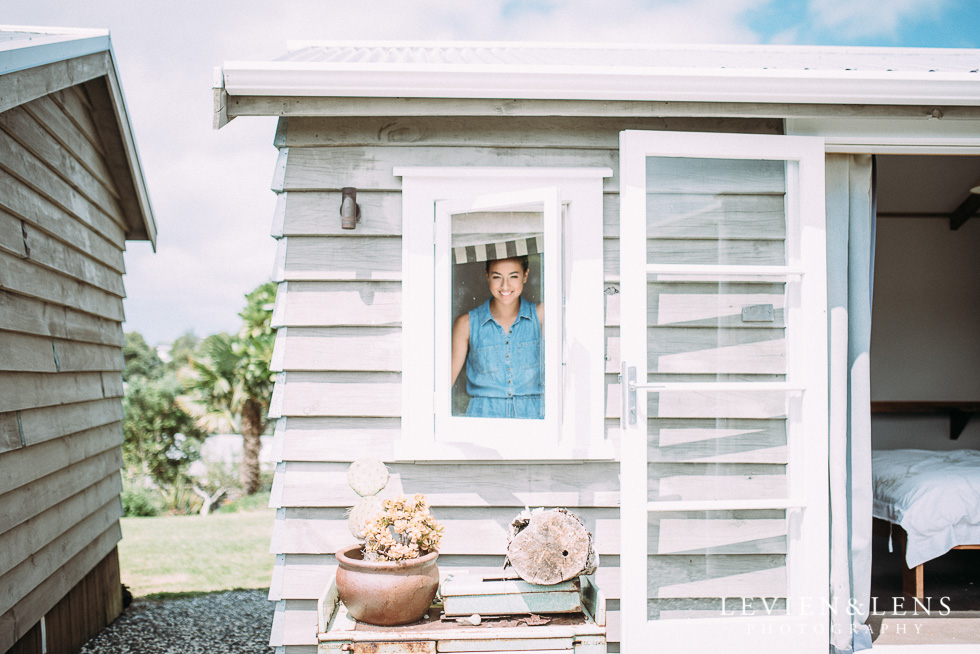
x,y
554,547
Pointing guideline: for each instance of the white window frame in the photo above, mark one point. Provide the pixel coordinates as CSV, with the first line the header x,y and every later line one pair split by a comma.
x,y
578,431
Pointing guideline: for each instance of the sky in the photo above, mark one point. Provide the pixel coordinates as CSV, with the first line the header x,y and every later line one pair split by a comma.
x,y
209,189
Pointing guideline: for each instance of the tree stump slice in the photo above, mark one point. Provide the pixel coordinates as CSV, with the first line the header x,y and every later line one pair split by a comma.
x,y
554,547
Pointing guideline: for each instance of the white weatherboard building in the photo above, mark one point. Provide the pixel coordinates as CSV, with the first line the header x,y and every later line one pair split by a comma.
x,y
711,221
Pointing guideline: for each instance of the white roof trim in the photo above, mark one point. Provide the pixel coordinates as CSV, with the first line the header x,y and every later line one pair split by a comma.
x,y
706,83
675,85
50,45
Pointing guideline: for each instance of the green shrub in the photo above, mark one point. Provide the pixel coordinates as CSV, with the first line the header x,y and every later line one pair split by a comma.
x,y
139,503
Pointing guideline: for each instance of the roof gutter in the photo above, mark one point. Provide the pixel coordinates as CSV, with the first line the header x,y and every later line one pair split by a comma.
x,y
600,83
49,46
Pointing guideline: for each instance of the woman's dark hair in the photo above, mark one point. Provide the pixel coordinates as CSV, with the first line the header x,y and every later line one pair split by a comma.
x,y
522,259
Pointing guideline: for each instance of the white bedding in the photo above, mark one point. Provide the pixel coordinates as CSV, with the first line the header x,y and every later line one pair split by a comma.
x,y
934,496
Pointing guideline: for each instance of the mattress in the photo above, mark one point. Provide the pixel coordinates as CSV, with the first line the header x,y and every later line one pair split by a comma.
x,y
933,496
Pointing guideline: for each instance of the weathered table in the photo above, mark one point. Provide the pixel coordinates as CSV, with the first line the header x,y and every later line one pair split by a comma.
x,y
578,633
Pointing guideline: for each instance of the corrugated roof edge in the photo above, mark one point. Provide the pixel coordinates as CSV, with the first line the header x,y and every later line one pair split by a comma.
x,y
54,44
605,81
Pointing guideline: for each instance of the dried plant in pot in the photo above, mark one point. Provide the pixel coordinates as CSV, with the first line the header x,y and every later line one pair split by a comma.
x,y
392,577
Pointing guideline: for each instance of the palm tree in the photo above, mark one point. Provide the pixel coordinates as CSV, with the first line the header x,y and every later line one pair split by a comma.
x,y
229,385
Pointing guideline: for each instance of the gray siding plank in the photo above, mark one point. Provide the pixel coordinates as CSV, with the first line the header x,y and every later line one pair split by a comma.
x,y
27,464
341,348
112,384
461,484
493,131
330,258
337,439
59,257
30,316
324,169
27,204
701,304
36,139
93,329
469,530
26,278
74,102
718,575
12,235
9,432
19,162
729,441
47,560
32,535
705,350
376,394
21,352
48,423
337,304
317,213
29,500
708,252
46,112
25,390
23,86
26,353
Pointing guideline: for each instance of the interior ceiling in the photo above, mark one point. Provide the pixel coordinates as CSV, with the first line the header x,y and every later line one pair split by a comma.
x,y
925,184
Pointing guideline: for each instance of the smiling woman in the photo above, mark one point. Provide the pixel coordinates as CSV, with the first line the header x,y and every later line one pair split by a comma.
x,y
500,342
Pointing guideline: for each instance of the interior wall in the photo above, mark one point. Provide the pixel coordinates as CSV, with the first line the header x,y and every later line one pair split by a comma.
x,y
925,337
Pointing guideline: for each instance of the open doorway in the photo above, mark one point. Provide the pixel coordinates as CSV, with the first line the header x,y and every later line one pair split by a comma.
x,y
925,379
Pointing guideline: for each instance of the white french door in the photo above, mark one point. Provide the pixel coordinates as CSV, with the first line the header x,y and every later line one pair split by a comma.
x,y
724,393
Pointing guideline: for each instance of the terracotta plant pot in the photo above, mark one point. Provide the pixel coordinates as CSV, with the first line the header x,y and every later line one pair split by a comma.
x,y
386,592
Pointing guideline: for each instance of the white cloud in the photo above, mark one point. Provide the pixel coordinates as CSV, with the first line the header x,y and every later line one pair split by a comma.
x,y
854,19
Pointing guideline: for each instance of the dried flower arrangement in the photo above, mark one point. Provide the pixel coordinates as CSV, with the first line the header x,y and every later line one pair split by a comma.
x,y
403,530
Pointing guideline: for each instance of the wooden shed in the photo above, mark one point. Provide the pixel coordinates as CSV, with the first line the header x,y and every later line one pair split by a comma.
x,y
71,194
706,216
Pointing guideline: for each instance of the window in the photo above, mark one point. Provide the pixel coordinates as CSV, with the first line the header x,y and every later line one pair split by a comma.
x,y
455,220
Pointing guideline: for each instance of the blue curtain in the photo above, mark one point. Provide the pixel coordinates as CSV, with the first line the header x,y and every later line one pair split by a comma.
x,y
850,268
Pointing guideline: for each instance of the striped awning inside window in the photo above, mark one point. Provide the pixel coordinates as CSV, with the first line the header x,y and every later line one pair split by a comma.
x,y
503,249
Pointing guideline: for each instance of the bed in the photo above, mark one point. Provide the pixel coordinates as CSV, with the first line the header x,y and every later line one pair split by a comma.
x,y
934,497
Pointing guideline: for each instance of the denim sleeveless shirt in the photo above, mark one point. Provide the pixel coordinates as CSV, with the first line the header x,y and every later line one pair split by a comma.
x,y
503,370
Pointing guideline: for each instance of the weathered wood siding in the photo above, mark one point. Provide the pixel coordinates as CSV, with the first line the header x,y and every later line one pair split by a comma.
x,y
339,309
62,236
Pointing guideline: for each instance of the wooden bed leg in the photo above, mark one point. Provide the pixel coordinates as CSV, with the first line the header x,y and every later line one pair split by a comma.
x,y
913,581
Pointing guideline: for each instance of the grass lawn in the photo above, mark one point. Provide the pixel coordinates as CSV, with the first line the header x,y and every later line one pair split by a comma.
x,y
171,555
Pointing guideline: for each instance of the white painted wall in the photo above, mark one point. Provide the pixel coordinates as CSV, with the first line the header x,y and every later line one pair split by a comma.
x,y
925,337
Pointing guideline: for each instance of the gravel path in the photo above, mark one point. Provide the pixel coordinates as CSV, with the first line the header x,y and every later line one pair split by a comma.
x,y
235,622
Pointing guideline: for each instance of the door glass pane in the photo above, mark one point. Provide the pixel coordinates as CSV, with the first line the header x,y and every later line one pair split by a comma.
x,y
715,211
703,563
720,445
715,331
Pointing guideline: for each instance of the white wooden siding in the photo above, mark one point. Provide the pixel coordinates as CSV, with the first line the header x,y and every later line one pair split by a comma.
x,y
62,236
338,394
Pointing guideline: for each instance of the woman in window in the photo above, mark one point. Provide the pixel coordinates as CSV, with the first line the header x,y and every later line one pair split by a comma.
x,y
501,345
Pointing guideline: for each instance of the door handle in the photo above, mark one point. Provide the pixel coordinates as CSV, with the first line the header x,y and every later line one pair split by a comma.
x,y
628,385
